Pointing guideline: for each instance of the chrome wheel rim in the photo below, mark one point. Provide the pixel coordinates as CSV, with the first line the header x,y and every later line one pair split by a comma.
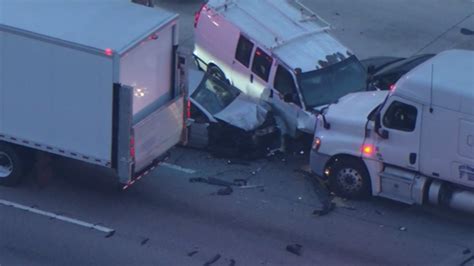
x,y
350,179
6,165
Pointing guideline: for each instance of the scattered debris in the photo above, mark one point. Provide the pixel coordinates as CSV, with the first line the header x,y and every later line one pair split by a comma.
x,y
468,262
192,253
110,234
238,162
198,180
321,212
144,241
240,182
213,260
227,186
303,172
327,208
403,228
219,182
466,31
350,208
225,191
295,249
256,171
211,181
252,186
341,203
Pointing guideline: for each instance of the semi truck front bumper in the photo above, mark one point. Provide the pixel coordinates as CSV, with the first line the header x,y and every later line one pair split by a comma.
x,y
318,163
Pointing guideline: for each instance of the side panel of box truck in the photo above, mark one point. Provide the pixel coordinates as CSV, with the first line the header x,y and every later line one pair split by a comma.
x,y
57,96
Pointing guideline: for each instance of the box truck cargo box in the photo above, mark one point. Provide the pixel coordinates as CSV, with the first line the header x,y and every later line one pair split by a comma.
x,y
98,81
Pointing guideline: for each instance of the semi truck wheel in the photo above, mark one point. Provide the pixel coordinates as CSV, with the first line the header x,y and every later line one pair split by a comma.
x,y
349,178
11,165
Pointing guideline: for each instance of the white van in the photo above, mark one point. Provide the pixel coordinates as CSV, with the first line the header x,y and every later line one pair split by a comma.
x,y
277,44
414,144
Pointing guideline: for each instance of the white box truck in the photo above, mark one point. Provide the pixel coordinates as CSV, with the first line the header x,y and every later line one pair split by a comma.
x,y
414,144
97,81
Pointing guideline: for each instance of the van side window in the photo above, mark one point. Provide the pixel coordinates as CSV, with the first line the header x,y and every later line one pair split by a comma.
x,y
262,64
284,82
400,116
244,51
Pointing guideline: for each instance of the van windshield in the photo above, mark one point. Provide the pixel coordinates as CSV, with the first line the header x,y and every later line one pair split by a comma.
x,y
214,94
324,86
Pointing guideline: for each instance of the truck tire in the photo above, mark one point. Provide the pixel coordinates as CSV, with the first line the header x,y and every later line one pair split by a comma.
x,y
11,165
349,178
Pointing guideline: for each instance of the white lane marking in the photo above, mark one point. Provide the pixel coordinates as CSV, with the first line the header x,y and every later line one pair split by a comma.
x,y
66,219
178,168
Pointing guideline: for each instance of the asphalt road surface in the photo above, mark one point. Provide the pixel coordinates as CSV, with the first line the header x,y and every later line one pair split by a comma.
x,y
171,218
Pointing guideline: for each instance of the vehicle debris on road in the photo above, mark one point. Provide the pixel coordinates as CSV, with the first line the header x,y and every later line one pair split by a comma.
x,y
213,260
225,191
296,249
192,253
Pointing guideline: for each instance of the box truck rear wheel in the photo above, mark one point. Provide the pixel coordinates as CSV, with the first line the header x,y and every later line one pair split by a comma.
x,y
349,178
11,165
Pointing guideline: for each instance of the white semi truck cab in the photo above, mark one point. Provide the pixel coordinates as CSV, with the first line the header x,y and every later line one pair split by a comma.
x,y
414,144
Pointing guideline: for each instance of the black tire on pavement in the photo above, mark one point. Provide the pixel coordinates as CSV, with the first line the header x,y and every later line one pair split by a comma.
x,y
349,178
11,165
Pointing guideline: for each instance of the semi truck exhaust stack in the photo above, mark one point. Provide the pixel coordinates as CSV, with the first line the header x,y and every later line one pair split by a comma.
x,y
443,194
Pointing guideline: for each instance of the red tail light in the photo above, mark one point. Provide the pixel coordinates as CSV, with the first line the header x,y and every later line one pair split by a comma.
x,y
108,52
132,146
188,109
197,15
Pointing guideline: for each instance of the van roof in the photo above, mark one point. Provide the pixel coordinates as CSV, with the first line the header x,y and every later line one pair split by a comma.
x,y
452,78
287,28
113,24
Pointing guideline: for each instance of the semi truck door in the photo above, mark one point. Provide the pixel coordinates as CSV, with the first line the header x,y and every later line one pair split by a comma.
x,y
399,141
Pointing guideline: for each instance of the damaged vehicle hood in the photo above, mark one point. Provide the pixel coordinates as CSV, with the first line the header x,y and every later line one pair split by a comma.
x,y
225,103
351,112
244,113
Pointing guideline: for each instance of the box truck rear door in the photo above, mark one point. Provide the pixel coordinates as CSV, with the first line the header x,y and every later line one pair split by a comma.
x,y
158,116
